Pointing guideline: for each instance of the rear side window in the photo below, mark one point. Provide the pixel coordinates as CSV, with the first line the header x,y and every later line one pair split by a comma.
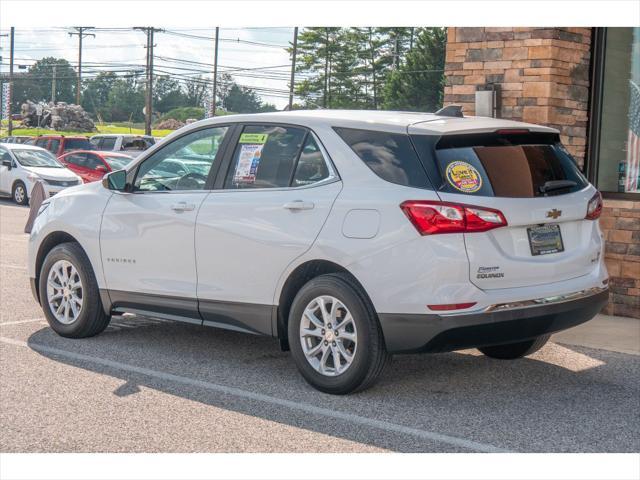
x,y
265,156
390,155
107,143
524,167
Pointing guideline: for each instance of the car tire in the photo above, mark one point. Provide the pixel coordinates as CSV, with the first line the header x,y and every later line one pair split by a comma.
x,y
19,193
369,355
71,319
512,351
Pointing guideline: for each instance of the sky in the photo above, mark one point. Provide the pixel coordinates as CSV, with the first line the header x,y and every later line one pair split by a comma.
x,y
123,49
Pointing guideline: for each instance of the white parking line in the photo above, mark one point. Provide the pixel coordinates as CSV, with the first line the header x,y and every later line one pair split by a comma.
x,y
237,392
18,322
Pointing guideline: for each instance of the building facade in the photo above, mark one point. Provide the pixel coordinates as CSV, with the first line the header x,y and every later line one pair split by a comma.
x,y
586,83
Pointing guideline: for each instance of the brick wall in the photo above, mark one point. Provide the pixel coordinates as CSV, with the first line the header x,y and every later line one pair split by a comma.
x,y
620,223
543,74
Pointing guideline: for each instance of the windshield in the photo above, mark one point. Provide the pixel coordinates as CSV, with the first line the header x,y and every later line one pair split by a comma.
x,y
36,158
77,144
117,163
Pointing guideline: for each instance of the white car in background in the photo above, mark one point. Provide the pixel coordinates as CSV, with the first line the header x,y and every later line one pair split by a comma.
x,y
347,235
130,144
21,166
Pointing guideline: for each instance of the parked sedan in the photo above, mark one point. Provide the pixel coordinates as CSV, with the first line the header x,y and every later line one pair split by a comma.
x,y
23,165
91,165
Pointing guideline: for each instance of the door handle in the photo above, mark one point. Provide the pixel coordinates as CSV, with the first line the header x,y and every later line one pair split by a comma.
x,y
183,207
298,205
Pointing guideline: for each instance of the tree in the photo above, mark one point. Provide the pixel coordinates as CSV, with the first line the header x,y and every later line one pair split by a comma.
x,y
36,84
167,94
42,74
241,100
418,83
96,92
195,91
126,100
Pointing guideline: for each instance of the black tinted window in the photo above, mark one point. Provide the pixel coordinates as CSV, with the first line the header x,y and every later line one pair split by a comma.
x,y
522,167
107,143
77,144
265,156
390,155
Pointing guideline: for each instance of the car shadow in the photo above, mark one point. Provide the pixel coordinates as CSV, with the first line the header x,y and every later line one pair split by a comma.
x,y
561,399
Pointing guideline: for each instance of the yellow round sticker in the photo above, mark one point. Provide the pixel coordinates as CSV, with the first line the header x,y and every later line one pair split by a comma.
x,y
464,177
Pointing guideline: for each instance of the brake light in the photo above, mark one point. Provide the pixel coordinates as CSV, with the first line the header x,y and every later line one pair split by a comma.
x,y
512,131
431,218
594,207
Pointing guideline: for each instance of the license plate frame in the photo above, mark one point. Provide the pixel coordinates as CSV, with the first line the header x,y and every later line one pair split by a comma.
x,y
545,239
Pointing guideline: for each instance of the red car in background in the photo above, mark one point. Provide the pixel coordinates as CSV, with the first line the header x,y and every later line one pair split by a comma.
x,y
91,165
59,144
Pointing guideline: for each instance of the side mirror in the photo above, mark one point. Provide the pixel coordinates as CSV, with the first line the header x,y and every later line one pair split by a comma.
x,y
6,162
115,181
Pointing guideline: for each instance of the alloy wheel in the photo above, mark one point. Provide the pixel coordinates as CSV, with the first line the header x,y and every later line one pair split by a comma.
x,y
64,292
328,336
18,194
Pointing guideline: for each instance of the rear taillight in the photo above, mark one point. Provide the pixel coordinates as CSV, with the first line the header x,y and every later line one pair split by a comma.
x,y
594,207
430,217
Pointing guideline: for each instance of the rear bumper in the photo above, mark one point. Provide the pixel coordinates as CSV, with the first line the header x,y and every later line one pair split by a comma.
x,y
500,324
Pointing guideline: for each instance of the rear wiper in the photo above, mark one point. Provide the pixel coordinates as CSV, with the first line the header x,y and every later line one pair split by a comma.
x,y
551,185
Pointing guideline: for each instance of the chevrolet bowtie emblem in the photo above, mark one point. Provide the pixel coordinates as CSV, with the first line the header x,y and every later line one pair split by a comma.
x,y
555,213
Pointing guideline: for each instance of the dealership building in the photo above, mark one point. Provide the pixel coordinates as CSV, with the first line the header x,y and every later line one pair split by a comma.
x,y
584,82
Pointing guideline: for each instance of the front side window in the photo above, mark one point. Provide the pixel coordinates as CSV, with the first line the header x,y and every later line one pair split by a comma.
x,y
42,142
117,162
93,162
53,146
183,164
36,158
265,157
389,155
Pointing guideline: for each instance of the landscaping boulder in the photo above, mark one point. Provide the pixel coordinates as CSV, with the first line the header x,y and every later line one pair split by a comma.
x,y
169,124
58,116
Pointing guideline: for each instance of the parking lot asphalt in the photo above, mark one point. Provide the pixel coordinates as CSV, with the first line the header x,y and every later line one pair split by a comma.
x,y
148,385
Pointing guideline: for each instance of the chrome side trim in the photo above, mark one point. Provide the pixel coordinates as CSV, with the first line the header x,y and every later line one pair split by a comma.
x,y
544,301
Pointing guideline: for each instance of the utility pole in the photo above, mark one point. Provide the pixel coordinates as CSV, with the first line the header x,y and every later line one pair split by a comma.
x,y
148,108
80,33
11,78
215,75
293,66
53,84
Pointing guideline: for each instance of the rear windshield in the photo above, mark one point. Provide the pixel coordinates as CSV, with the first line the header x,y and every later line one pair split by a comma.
x,y
520,166
77,144
390,155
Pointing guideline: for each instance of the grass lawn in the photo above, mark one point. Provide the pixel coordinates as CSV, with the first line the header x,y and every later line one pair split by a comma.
x,y
101,129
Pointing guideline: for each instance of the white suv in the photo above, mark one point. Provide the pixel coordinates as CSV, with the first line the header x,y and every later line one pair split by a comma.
x,y
21,166
347,235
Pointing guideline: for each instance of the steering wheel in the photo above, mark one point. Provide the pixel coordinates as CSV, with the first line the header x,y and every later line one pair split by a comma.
x,y
190,181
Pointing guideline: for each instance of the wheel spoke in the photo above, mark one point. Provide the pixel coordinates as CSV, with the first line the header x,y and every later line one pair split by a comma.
x,y
324,358
60,308
345,321
343,351
312,352
74,307
313,319
316,332
336,358
348,336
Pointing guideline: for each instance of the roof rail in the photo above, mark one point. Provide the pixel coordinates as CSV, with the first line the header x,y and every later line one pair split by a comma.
x,y
451,111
